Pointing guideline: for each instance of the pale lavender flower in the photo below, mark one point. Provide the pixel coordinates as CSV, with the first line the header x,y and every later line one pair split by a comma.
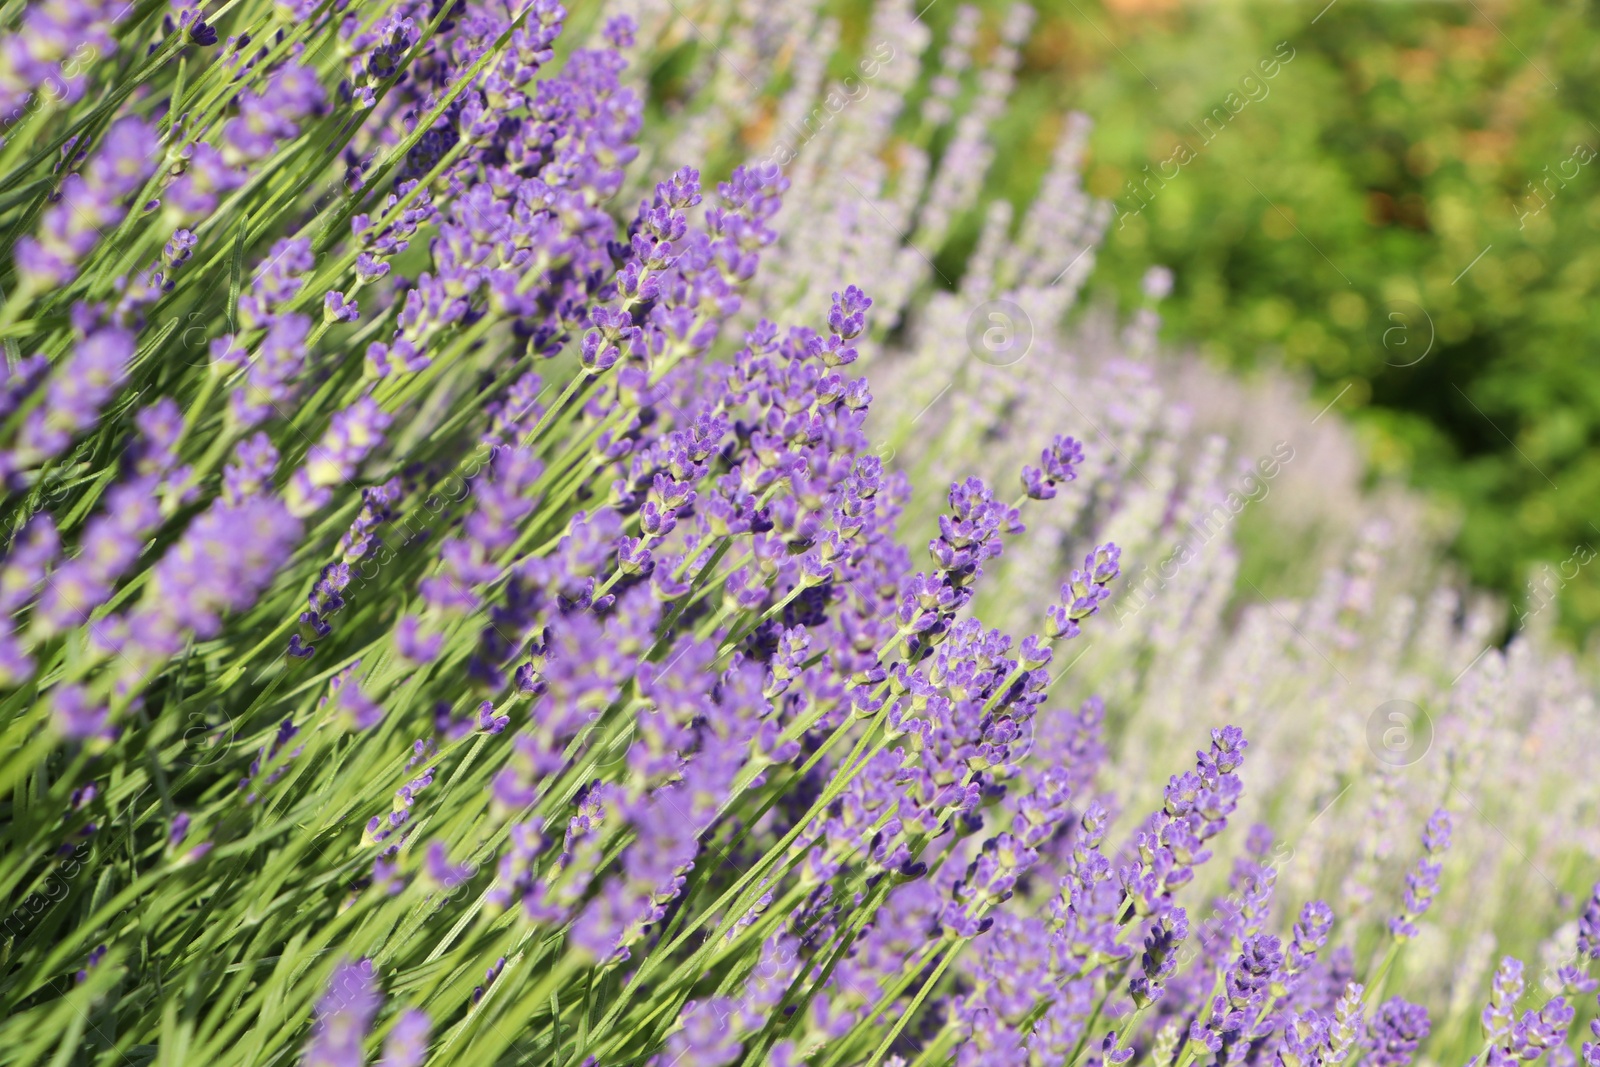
x,y
1500,1014
276,364
1304,1036
438,869
344,1016
73,399
1345,1028
226,557
52,39
1589,926
26,568
192,195
114,538
76,714
351,436
264,120
250,474
352,709
407,1043
90,204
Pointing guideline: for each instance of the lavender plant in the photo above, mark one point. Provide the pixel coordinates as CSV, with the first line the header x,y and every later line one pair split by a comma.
x,y
459,603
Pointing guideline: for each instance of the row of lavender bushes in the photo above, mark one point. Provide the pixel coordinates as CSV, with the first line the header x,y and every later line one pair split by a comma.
x,y
465,604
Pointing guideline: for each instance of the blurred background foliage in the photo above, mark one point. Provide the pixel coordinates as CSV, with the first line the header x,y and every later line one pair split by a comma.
x,y
1404,213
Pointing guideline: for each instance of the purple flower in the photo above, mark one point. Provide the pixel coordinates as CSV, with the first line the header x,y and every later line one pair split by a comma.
x,y
1500,1014
1196,809
1423,883
618,31
413,644
226,557
51,40
352,708
1310,935
1304,1035
488,721
1539,1031
26,567
1395,1032
73,399
275,755
1344,1030
970,533
381,827
250,473
1111,1053
193,194
89,205
1247,981
407,1043
1589,926
488,979
179,248
76,715
160,425
344,1015
1217,1028
1159,962
273,369
352,435
1083,592
111,543
440,871
336,307
96,954
265,120
1057,464
706,1037
1436,834
19,382
848,316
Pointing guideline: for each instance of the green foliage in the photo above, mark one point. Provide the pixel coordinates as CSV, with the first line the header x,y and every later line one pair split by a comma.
x,y
1405,212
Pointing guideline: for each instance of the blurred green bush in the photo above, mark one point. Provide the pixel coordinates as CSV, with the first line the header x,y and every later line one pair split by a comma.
x,y
1403,210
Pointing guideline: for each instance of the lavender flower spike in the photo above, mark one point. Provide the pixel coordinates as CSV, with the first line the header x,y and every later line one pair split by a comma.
x,y
344,1015
1057,464
1423,884
1159,961
1395,1032
407,1043
1083,592
352,434
77,392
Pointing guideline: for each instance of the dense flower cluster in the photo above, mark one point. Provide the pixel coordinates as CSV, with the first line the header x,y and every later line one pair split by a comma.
x,y
454,615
